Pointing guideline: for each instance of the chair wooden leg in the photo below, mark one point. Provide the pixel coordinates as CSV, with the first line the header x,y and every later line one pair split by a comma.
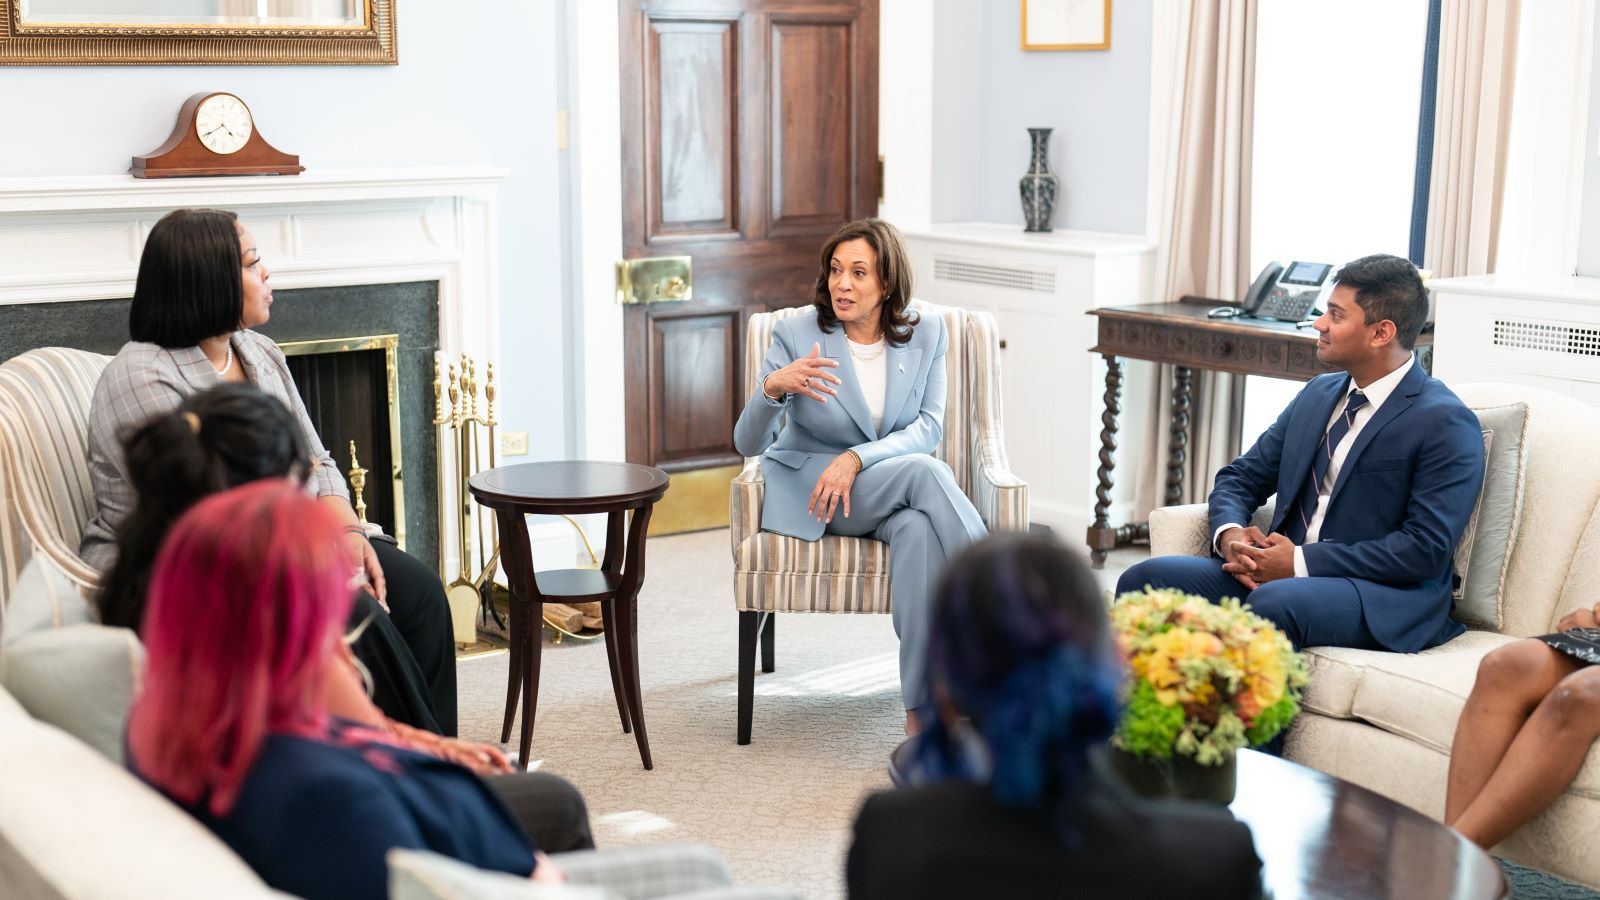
x,y
749,625
768,654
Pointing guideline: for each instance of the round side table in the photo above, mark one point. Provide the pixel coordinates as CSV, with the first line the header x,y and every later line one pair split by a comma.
x,y
573,488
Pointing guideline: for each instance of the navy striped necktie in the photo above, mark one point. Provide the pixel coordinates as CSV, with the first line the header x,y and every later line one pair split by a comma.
x,y
1298,523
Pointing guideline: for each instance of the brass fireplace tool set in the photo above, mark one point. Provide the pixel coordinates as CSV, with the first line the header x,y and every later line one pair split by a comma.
x,y
464,429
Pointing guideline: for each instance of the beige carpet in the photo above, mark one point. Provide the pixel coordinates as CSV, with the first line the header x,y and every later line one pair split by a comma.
x,y
780,808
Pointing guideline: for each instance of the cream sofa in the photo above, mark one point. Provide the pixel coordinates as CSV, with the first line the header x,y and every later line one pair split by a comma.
x,y
1385,720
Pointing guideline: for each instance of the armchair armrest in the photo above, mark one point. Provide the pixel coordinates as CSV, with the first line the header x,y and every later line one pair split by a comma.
x,y
1186,530
1000,496
744,503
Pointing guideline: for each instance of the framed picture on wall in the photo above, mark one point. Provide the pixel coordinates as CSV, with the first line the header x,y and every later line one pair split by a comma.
x,y
1066,24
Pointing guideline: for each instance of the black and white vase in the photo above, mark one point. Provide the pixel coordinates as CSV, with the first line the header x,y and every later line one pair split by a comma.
x,y
1039,184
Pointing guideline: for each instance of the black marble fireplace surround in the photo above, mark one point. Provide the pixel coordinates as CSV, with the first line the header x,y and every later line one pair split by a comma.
x,y
410,310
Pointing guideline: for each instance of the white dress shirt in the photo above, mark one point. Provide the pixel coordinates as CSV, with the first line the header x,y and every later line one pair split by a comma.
x,y
1376,393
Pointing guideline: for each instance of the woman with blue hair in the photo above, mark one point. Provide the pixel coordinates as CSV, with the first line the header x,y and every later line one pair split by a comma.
x,y
1010,796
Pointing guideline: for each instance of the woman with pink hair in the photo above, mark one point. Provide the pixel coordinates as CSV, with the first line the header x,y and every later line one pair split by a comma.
x,y
246,607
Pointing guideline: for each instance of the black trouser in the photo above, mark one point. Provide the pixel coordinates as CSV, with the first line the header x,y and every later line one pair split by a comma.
x,y
551,810
410,651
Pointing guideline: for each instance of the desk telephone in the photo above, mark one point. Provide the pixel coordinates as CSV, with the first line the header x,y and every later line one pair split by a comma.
x,y
1286,294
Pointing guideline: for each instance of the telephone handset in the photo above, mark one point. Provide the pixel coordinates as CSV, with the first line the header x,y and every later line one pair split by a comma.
x,y
1287,294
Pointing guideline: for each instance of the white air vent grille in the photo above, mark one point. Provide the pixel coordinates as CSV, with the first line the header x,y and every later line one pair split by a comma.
x,y
1547,337
1018,278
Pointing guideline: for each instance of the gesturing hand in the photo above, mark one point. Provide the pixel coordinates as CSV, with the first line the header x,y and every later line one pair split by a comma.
x,y
833,487
807,375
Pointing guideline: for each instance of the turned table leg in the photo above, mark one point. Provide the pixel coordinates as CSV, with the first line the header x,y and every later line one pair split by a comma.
x,y
1177,455
1102,537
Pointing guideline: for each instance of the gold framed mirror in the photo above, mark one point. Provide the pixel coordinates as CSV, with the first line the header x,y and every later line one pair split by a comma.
x,y
197,32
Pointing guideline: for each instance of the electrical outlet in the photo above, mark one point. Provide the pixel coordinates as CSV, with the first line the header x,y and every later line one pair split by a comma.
x,y
514,443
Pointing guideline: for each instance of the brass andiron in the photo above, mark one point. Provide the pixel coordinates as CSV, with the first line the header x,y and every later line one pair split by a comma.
x,y
464,428
358,485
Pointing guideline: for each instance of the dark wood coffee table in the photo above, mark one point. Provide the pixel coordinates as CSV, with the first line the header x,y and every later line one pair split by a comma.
x,y
1323,837
573,488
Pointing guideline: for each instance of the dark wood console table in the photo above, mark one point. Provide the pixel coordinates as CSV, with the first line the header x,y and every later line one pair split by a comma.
x,y
1182,335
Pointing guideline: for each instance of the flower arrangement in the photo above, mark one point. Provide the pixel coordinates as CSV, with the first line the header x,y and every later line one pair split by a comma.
x,y
1206,679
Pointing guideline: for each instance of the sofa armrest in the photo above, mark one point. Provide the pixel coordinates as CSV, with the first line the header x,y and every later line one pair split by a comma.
x,y
1186,530
744,503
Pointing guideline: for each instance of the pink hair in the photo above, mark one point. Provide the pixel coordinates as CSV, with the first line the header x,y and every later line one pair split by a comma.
x,y
247,600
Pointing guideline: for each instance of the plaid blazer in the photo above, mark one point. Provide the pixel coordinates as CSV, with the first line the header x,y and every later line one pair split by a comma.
x,y
145,380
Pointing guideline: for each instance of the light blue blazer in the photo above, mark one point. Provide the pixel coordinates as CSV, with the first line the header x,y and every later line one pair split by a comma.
x,y
796,447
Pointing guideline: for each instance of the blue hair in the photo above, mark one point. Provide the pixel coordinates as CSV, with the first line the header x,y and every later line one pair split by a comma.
x,y
1020,647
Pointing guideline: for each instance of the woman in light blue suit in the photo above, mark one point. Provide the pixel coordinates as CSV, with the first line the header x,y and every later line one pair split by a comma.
x,y
844,423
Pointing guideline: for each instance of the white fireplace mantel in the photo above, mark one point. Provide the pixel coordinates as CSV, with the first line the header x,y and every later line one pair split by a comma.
x,y
79,238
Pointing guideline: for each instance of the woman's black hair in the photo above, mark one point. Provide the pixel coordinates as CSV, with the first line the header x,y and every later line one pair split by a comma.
x,y
190,284
214,440
1020,646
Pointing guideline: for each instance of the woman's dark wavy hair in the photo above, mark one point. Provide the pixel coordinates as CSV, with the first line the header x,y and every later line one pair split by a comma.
x,y
190,285
237,435
894,271
1020,645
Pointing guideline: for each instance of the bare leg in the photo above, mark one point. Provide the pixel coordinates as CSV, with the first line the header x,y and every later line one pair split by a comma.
x,y
1540,763
1512,680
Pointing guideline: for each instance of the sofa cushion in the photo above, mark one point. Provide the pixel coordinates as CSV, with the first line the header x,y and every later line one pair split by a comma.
x,y
421,875
1418,696
62,667
89,830
1484,556
1337,672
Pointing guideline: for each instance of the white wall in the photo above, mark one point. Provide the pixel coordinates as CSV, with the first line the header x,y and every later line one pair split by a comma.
x,y
988,91
1589,229
476,84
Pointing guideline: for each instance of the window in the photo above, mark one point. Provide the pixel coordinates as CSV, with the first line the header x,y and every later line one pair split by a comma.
x,y
1338,89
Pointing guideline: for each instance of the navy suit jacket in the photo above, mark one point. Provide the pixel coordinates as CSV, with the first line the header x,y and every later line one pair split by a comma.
x,y
1400,504
796,447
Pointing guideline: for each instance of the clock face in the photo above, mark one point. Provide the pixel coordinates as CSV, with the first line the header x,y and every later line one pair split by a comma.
x,y
223,123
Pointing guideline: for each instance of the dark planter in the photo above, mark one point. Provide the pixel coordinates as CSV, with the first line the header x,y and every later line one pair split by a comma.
x,y
1039,185
1178,777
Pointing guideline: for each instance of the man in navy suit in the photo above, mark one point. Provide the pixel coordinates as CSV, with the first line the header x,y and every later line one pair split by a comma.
x,y
1376,471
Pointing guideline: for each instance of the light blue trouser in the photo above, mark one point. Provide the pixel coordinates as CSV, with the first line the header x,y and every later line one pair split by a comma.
x,y
912,504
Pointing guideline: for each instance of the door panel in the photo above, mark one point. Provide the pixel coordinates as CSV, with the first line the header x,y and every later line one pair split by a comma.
x,y
750,133
811,126
695,359
692,127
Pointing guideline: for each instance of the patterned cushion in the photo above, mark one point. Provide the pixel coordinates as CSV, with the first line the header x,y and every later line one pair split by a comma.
x,y
774,573
45,497
778,573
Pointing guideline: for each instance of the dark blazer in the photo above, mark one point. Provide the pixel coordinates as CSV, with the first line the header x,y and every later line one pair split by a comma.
x,y
955,840
315,818
1400,505
796,448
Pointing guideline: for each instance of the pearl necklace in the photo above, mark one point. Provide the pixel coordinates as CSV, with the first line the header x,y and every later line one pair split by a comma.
x,y
874,350
227,366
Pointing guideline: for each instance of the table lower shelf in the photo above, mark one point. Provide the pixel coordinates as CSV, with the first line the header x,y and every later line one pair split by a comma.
x,y
577,585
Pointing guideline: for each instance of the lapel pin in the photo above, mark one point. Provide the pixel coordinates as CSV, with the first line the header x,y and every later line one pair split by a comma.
x,y
902,367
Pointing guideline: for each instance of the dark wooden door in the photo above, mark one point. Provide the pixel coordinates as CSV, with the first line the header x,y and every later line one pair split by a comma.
x,y
749,133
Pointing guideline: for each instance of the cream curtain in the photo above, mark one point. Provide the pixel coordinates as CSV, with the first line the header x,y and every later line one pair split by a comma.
x,y
1207,101
1472,129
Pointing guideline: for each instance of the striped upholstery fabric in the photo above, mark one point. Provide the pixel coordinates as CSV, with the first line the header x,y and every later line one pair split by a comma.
x,y
45,497
776,573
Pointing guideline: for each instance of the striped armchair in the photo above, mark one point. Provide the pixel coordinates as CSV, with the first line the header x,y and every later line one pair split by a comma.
x,y
774,573
45,497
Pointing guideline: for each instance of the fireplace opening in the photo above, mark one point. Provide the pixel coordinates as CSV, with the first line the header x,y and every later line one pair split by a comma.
x,y
351,390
